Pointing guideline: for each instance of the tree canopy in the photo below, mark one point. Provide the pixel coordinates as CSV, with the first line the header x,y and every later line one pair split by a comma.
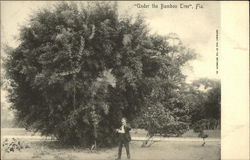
x,y
79,69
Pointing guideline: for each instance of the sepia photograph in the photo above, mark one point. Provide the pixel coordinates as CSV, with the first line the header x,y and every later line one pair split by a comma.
x,y
113,80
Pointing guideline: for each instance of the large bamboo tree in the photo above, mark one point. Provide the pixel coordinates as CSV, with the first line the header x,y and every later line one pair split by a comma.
x,y
77,70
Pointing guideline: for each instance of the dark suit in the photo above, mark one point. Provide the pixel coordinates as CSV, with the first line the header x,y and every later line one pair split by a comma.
x,y
124,139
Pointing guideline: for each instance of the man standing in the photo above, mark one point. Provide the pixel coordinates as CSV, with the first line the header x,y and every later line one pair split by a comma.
x,y
124,138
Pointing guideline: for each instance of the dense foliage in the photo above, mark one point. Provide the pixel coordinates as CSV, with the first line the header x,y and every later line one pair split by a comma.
x,y
166,111
78,70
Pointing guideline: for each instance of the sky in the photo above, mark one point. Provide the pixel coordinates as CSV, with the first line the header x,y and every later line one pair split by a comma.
x,y
195,27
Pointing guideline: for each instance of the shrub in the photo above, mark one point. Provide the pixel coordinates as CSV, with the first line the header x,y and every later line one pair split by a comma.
x,y
13,144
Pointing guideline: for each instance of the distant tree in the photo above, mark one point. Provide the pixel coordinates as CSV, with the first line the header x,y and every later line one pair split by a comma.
x,y
213,103
206,95
79,69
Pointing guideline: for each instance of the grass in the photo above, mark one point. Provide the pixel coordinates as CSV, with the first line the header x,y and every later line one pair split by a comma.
x,y
174,150
17,132
210,133
158,151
